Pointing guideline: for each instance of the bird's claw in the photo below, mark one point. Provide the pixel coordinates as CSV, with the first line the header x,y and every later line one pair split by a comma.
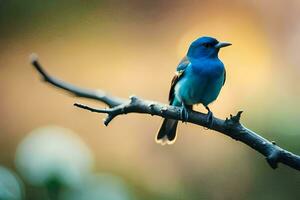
x,y
184,114
210,119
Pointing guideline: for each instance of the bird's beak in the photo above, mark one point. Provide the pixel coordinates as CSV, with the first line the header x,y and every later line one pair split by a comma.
x,y
222,44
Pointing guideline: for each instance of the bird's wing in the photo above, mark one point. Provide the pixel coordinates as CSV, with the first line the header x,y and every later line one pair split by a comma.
x,y
183,64
179,72
224,76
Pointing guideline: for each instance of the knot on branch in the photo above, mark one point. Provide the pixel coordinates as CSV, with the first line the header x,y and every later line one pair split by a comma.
x,y
151,107
273,158
233,120
164,109
133,99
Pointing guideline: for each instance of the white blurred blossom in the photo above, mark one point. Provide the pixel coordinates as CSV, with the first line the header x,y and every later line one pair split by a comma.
x,y
52,152
11,187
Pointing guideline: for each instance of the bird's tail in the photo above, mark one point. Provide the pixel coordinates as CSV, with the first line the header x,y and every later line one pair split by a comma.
x,y
167,132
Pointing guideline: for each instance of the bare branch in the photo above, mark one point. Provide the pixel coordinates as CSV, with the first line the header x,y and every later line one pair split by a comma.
x,y
230,126
77,91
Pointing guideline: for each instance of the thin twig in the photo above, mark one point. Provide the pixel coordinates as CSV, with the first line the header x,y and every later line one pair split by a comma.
x,y
77,91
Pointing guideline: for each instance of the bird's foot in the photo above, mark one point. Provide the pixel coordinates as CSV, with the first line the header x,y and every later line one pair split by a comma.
x,y
184,114
210,119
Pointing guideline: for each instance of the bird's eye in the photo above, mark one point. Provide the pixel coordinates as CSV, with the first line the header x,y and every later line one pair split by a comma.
x,y
207,45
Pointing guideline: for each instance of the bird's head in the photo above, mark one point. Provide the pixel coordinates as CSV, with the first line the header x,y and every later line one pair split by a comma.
x,y
205,47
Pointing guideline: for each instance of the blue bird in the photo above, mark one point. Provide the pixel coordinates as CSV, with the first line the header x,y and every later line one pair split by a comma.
x,y
199,78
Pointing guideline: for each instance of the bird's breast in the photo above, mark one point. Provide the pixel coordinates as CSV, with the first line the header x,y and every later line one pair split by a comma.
x,y
200,84
210,69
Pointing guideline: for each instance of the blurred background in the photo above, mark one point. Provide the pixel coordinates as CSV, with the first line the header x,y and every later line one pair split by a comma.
x,y
51,150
